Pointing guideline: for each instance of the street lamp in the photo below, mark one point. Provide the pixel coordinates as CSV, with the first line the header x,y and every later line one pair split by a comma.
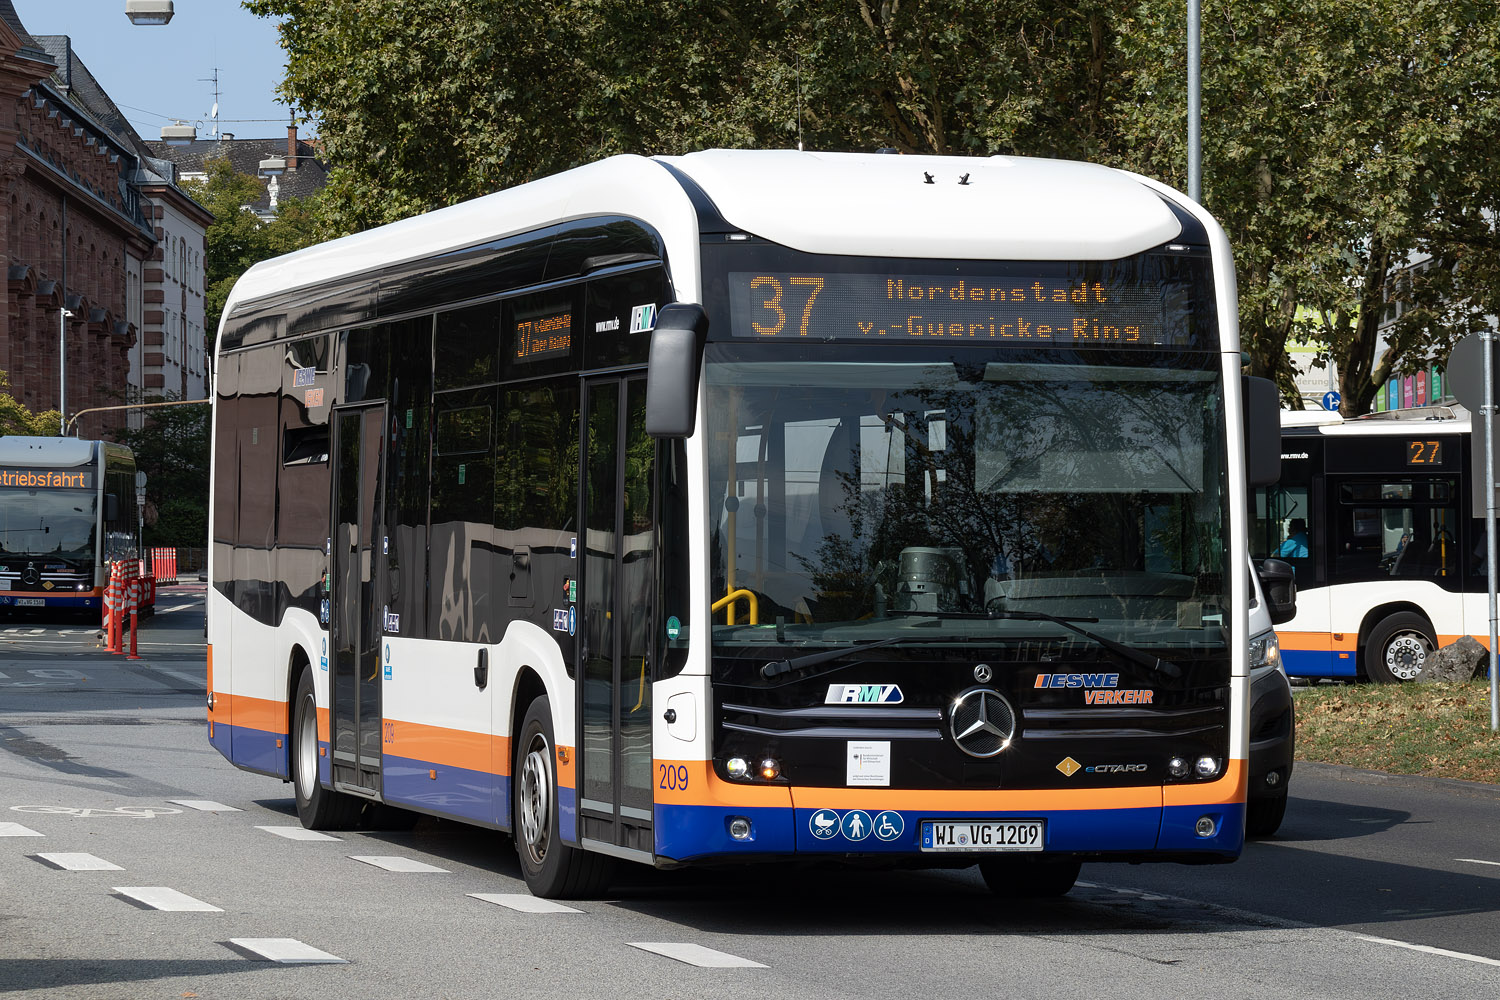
x,y
62,371
148,11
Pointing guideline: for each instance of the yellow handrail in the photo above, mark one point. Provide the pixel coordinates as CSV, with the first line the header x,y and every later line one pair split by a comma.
x,y
736,595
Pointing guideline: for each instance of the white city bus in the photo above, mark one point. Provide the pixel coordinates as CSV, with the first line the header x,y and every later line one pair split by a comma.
x,y
67,510
744,506
1375,514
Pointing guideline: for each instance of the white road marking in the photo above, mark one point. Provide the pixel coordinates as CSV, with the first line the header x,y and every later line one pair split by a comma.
x,y
297,833
396,864
1429,950
523,902
199,680
696,954
288,951
79,863
178,607
1476,861
17,830
160,897
205,805
4,676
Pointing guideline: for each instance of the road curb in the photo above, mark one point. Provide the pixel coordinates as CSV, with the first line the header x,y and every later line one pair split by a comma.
x,y
1342,772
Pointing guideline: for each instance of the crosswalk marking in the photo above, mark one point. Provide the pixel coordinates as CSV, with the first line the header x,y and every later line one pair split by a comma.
x,y
696,954
524,902
160,897
205,805
297,833
396,864
287,951
17,830
79,862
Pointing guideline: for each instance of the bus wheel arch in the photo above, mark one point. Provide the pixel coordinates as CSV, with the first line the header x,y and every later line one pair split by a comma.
x,y
1396,643
552,869
318,808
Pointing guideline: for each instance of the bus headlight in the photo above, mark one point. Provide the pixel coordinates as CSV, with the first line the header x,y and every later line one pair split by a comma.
x,y
1177,767
1206,767
736,768
1265,651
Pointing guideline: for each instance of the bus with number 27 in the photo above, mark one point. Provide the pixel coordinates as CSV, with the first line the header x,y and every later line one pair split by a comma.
x,y
750,506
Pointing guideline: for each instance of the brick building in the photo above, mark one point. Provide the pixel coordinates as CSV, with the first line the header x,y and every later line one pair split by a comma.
x,y
94,225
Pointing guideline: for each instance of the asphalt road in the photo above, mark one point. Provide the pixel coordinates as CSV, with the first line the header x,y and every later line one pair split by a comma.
x,y
1375,887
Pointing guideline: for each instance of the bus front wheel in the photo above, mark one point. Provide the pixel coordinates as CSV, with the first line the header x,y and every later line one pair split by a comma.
x,y
1398,648
552,869
319,808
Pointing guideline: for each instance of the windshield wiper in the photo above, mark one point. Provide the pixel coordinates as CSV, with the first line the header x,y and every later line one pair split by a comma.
x,y
776,668
1119,649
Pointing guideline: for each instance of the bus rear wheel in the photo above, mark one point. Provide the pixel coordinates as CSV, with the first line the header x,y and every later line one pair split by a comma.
x,y
1398,648
319,808
1011,878
552,869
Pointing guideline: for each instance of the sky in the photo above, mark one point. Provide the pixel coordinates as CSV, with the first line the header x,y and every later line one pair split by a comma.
x,y
161,73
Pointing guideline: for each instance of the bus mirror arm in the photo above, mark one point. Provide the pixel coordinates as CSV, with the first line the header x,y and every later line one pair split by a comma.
x,y
676,362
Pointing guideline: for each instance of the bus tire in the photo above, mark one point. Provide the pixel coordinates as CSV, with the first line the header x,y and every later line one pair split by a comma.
x,y
1010,878
319,808
1263,815
552,869
1398,648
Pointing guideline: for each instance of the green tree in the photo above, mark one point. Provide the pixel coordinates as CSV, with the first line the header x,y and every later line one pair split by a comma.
x,y
16,419
238,238
1340,140
172,449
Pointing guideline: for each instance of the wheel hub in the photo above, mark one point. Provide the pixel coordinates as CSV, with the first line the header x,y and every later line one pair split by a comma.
x,y
1405,656
536,798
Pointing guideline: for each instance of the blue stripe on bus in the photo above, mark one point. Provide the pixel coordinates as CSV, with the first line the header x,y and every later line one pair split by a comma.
x,y
1318,663
54,601
456,791
685,833
253,749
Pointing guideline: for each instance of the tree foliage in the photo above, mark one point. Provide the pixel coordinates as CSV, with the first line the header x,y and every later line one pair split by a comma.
x,y
172,450
15,418
238,238
1341,140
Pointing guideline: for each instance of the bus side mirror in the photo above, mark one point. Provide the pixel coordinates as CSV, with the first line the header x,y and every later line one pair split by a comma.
x,y
1278,583
111,507
675,364
1262,406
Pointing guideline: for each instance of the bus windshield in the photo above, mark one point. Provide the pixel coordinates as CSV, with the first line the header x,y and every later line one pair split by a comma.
x,y
851,497
58,523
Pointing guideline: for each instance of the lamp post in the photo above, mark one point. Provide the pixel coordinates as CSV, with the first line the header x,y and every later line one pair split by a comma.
x,y
62,370
144,12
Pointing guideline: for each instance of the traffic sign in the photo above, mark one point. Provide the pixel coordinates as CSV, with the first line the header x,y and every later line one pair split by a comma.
x,y
1331,400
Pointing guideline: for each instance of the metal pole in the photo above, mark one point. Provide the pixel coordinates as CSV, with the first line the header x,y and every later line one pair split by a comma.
x,y
1195,108
1488,337
62,331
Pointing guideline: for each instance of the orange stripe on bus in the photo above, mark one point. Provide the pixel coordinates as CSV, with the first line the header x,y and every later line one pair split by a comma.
x,y
1228,790
703,787
256,713
213,699
567,767
446,747
1320,642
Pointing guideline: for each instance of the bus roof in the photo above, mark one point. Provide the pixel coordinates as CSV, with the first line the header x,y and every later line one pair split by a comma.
x,y
1002,207
46,452
1436,420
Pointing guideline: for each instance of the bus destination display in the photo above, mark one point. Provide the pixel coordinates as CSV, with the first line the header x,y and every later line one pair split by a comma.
x,y
543,333
39,479
1016,312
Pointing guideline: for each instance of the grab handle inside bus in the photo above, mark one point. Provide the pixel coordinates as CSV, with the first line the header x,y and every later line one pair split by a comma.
x,y
675,363
1262,410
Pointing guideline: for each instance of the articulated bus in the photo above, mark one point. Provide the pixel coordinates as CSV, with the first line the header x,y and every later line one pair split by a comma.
x,y
1376,517
750,506
67,510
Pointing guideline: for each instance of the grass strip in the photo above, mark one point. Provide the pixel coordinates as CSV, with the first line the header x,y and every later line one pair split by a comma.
x,y
1436,730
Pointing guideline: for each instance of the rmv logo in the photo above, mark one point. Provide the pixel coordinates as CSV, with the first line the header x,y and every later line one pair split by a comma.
x,y
863,694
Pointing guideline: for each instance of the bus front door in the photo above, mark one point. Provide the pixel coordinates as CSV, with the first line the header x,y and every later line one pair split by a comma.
x,y
616,609
357,568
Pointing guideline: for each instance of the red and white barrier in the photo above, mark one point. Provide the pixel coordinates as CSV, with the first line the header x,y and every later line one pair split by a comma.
x,y
164,565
